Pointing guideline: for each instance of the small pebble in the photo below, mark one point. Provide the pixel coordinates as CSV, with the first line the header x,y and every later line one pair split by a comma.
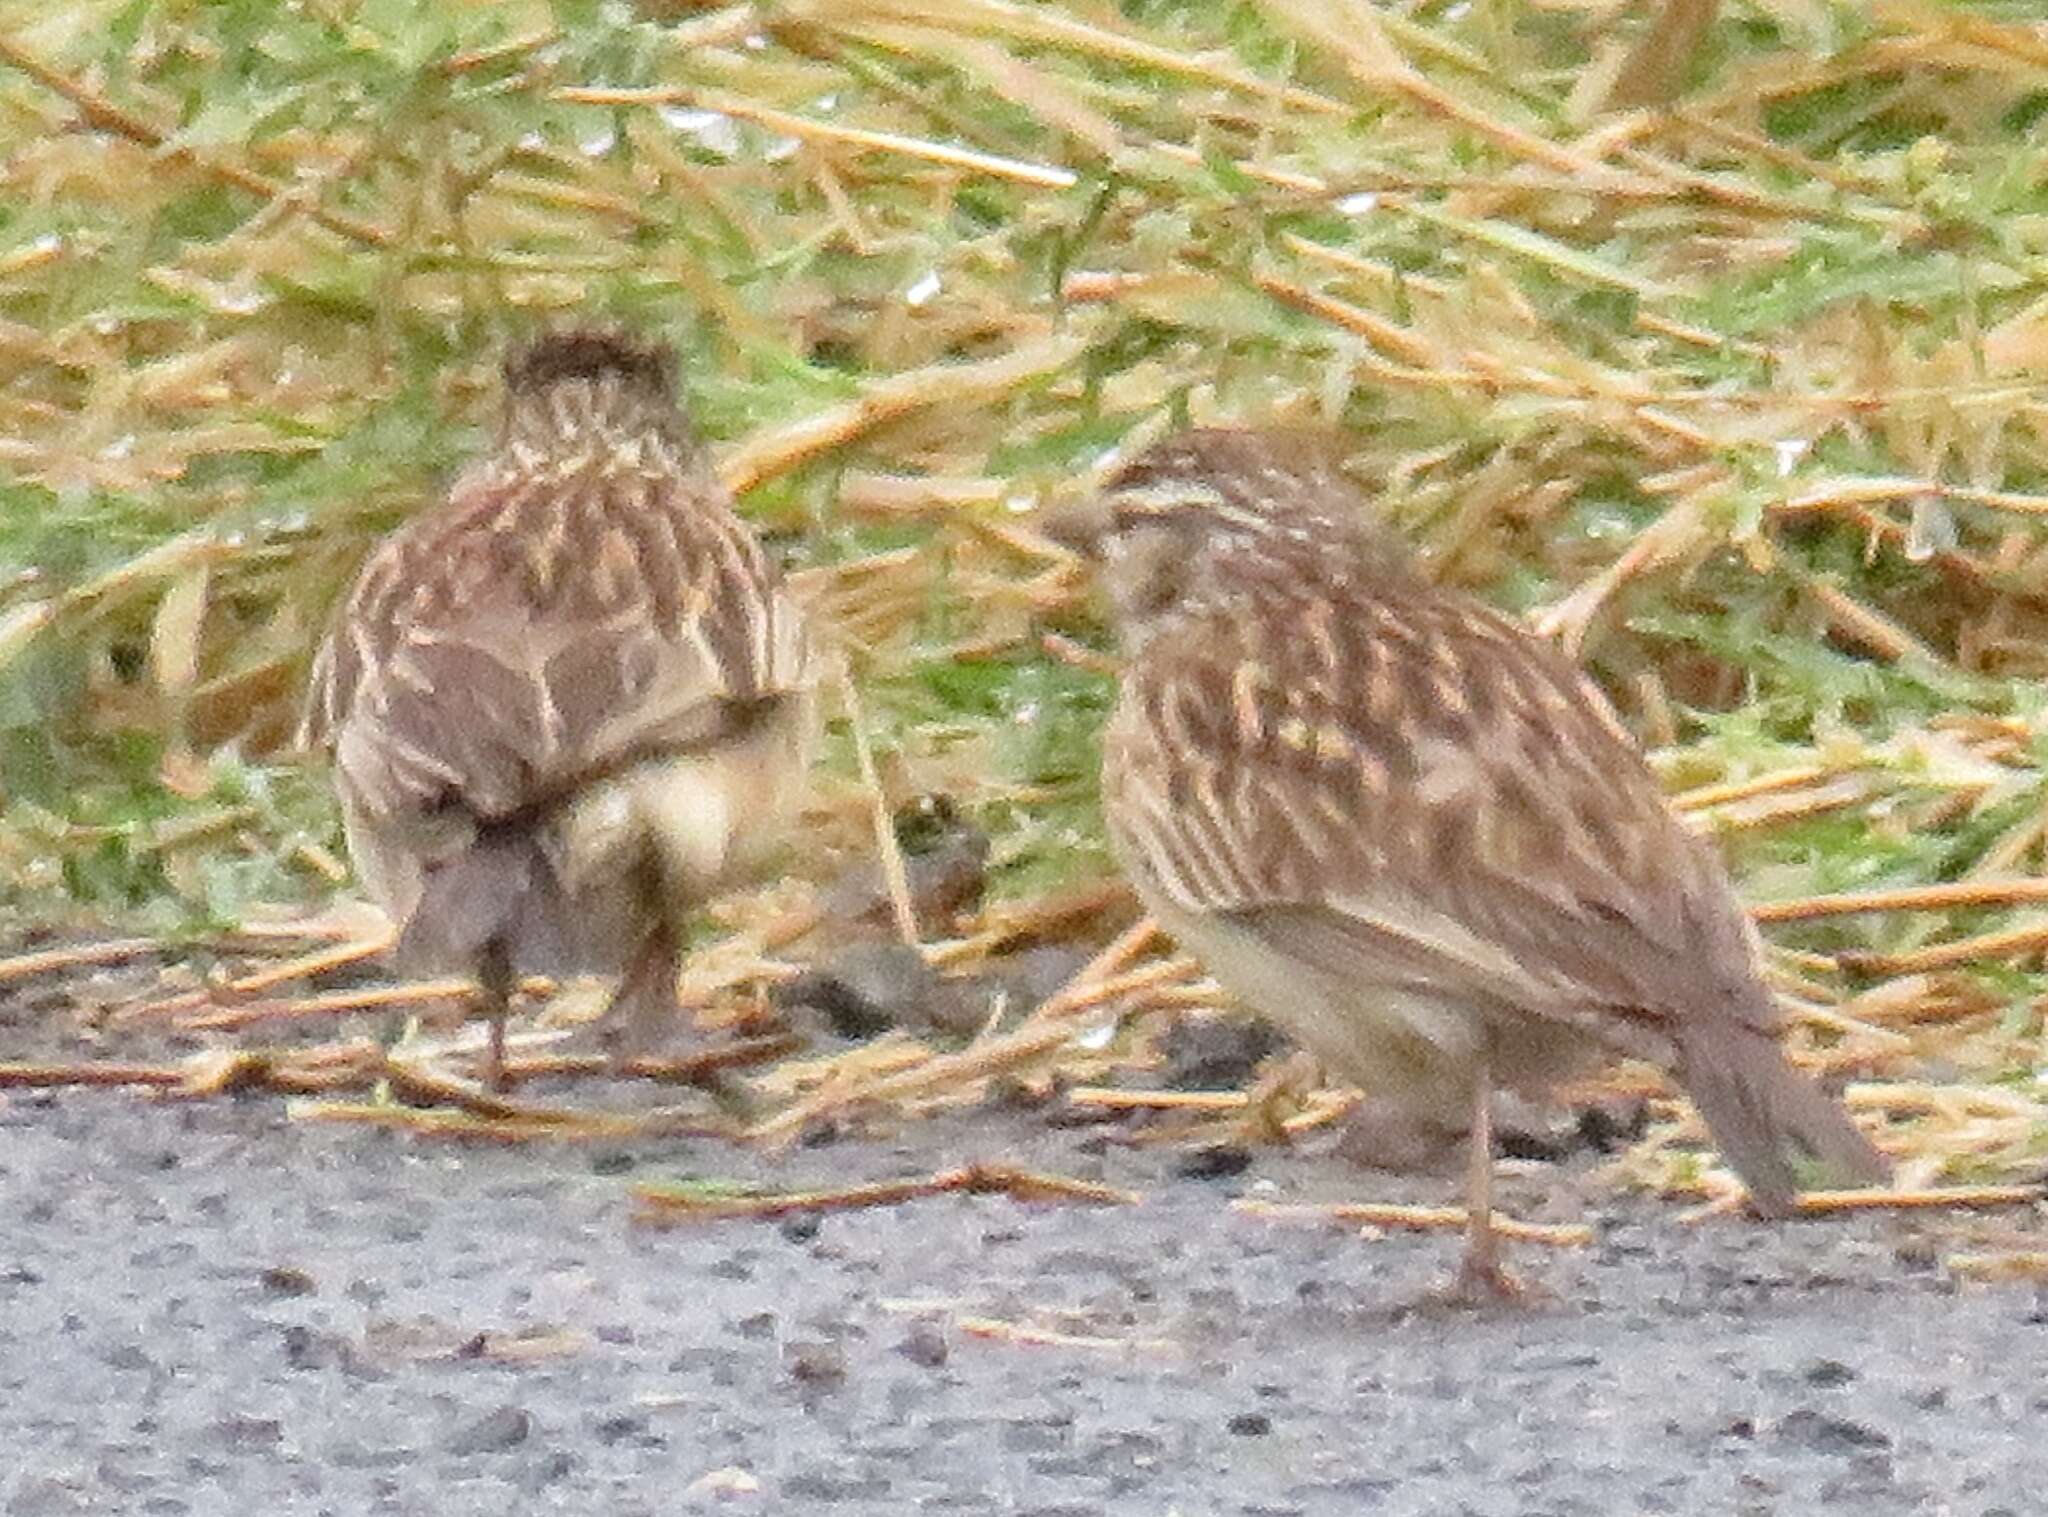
x,y
249,1432
1218,1161
924,1344
1217,1051
729,1481
800,1227
288,1280
821,1365
1823,1434
304,1349
46,1497
558,1466
493,1433
620,1427
127,1356
1608,1129
865,989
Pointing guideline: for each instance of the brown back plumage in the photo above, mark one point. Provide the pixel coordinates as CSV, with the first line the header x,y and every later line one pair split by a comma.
x,y
584,600
1321,759
584,593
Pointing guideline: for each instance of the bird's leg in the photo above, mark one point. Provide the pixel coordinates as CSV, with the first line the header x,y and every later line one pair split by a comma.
x,y
1481,1277
496,981
646,1000
647,994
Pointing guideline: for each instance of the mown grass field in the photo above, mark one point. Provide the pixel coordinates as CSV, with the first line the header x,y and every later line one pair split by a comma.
x,y
1714,338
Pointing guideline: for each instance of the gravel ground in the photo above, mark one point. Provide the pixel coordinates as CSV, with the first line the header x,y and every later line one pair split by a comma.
x,y
212,1308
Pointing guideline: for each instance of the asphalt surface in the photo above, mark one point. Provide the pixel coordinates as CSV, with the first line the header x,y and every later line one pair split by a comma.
x,y
213,1308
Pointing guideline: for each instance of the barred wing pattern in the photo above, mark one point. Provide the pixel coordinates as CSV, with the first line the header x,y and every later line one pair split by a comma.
x,y
547,627
1408,829
1427,800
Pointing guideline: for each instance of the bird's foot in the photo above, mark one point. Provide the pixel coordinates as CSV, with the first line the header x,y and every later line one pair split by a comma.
x,y
1485,1282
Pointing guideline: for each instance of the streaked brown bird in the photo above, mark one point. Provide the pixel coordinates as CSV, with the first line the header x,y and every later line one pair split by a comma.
x,y
570,700
1409,830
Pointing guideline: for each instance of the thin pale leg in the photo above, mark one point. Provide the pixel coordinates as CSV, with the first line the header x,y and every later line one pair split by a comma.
x,y
646,1000
496,981
494,1055
646,1004
1481,1276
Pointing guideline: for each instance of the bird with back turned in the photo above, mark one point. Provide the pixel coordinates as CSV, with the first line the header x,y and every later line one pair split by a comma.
x,y
569,700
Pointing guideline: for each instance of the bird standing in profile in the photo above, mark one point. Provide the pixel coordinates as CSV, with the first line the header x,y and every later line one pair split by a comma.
x,y
1410,831
569,701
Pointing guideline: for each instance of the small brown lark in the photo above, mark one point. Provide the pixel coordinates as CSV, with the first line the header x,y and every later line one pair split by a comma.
x,y
571,699
1409,830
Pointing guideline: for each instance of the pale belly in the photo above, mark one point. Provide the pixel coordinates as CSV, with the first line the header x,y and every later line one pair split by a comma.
x,y
1419,1050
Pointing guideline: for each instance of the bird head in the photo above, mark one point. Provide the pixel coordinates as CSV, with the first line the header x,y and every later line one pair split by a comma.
x,y
591,386
1198,517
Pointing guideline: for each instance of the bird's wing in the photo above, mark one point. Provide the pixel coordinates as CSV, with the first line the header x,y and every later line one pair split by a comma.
x,y
1429,798
496,663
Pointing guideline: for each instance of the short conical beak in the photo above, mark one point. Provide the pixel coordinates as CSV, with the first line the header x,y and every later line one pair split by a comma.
x,y
1077,525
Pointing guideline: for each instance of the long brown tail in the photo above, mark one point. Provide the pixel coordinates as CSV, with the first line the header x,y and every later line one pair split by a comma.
x,y
1765,1114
